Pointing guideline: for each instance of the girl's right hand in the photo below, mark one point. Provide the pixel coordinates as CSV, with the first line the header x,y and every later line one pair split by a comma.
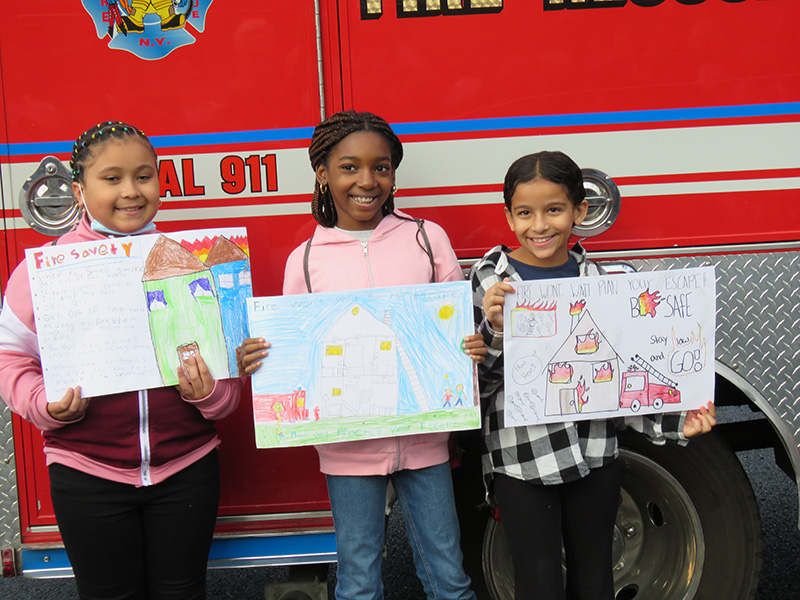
x,y
70,407
250,354
493,303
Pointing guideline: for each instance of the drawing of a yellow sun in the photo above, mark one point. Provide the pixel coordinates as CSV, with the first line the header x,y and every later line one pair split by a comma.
x,y
446,312
355,310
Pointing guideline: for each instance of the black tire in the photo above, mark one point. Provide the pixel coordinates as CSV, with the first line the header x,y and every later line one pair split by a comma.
x,y
688,527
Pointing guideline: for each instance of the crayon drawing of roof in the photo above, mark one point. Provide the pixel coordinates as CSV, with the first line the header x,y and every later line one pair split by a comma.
x,y
224,251
167,259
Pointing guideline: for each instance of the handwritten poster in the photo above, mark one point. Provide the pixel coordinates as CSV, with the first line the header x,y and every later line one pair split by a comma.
x,y
363,364
121,314
609,346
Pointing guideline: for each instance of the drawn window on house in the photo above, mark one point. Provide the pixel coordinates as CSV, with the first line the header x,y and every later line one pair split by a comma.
x,y
156,300
245,278
336,392
634,383
602,372
333,350
226,280
201,288
386,345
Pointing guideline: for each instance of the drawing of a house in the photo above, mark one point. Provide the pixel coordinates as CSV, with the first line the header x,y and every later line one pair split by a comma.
x,y
230,268
583,375
183,309
359,375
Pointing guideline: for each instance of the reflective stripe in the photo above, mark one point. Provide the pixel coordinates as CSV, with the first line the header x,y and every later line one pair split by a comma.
x,y
144,437
15,335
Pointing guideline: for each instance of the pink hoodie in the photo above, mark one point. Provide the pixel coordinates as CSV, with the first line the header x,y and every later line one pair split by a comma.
x,y
138,438
391,257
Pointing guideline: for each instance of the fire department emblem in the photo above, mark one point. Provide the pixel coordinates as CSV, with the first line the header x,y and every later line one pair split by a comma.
x,y
150,29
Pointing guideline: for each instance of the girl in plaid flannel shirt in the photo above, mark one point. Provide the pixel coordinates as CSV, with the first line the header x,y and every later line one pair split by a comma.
x,y
552,483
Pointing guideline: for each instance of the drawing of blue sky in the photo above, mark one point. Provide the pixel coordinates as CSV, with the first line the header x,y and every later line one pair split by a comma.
x,y
429,321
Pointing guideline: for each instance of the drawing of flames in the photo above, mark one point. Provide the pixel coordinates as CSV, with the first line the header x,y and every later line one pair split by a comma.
x,y
534,320
587,344
580,392
603,372
560,373
576,307
575,310
201,247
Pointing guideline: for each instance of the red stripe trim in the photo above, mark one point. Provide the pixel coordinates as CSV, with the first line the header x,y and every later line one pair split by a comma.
x,y
719,176
453,189
216,202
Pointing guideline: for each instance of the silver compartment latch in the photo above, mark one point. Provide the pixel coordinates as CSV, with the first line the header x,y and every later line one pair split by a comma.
x,y
604,201
46,199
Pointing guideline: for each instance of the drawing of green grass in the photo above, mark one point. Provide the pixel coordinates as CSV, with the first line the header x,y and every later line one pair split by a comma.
x,y
340,429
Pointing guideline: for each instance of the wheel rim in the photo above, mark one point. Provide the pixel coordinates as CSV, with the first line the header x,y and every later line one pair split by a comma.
x,y
658,546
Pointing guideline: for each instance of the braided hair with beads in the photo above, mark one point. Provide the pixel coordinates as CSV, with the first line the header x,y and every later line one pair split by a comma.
x,y
95,136
326,136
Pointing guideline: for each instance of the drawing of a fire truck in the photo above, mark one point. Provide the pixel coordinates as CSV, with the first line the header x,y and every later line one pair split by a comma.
x,y
643,385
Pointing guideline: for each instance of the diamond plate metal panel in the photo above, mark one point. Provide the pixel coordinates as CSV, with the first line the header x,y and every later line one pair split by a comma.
x,y
9,506
758,321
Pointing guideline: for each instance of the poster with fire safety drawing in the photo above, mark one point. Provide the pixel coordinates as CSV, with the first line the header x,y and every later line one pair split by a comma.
x,y
363,364
609,346
122,314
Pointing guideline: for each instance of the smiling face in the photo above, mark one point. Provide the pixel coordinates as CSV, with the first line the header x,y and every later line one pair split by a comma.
x,y
542,217
360,177
120,184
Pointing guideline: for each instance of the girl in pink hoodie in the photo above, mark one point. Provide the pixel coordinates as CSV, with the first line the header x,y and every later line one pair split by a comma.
x,y
361,242
134,476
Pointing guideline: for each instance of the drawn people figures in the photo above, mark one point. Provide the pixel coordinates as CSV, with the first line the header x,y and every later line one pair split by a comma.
x,y
447,398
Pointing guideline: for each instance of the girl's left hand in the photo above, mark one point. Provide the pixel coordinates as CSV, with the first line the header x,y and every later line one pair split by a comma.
x,y
474,346
700,420
194,378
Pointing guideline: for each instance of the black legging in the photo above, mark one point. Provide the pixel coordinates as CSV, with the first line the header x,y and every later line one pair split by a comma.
x,y
138,543
536,518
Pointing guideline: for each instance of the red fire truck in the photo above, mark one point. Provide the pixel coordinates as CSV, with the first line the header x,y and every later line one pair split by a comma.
x,y
642,385
688,110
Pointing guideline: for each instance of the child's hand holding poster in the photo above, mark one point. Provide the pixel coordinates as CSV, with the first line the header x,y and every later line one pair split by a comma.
x,y
121,314
609,346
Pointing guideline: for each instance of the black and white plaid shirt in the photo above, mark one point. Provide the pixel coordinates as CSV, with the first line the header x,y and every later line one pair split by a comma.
x,y
551,453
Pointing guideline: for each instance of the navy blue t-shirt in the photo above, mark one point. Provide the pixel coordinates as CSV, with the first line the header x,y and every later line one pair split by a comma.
x,y
530,272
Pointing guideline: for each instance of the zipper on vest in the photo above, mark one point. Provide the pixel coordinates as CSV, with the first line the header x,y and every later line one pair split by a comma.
x,y
144,437
369,267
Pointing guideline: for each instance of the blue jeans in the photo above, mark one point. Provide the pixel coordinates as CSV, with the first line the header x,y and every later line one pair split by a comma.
x,y
426,497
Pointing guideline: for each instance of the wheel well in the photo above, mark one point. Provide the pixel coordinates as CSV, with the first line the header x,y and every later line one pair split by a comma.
x,y
756,428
